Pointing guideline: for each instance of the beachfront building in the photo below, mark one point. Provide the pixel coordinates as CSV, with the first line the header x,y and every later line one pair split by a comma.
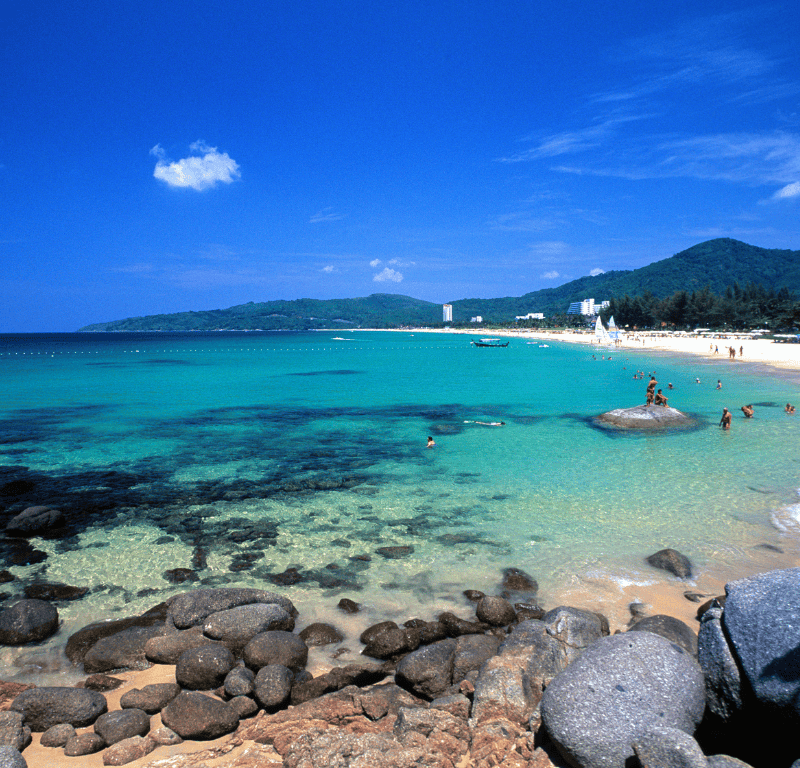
x,y
587,307
447,313
476,319
531,316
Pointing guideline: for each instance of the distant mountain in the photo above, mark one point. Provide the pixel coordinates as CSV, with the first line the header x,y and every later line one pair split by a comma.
x,y
381,310
715,263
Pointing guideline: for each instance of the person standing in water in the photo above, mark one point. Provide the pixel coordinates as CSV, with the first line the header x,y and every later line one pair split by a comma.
x,y
431,442
725,421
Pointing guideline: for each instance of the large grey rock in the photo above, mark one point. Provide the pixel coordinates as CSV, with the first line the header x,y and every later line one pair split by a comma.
x,y
10,757
194,715
83,744
320,634
360,675
122,724
276,648
762,621
33,520
387,640
722,674
124,650
619,689
28,621
510,684
241,624
150,698
192,608
496,611
669,748
428,671
272,686
205,668
645,417
471,653
672,629
44,707
239,682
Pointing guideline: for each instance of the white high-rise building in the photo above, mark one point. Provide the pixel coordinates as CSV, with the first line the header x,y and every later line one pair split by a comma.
x,y
447,313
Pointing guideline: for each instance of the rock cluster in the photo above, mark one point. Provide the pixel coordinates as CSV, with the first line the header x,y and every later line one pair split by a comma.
x,y
646,417
498,689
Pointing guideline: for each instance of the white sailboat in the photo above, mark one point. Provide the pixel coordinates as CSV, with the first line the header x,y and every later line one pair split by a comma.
x,y
600,333
613,331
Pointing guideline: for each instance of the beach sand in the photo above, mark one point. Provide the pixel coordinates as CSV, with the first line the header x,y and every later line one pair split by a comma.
x,y
666,595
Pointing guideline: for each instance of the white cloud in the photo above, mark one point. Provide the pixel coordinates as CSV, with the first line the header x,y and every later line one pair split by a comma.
x,y
597,271
790,190
375,263
551,275
329,269
324,216
401,263
199,171
388,276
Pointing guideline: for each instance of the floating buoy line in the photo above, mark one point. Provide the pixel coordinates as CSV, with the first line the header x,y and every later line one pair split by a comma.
x,y
53,353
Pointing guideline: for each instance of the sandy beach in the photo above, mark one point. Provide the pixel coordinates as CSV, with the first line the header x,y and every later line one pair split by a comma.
x,y
761,351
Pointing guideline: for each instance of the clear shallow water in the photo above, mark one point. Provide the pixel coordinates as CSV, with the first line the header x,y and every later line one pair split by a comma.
x,y
241,455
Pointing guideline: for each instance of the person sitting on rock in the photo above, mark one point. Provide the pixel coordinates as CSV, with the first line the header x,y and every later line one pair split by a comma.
x,y
660,399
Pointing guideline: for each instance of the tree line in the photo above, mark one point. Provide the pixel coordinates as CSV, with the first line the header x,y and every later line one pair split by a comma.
x,y
738,308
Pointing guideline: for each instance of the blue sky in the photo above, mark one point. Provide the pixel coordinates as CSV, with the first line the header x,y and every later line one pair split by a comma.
x,y
173,156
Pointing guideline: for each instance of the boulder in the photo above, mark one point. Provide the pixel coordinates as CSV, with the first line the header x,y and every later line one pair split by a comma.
x,y
79,643
58,735
128,750
386,640
165,736
471,653
204,668
669,748
54,592
338,678
672,629
617,691
122,724
12,731
347,605
244,706
123,650
102,683
455,626
83,744
495,611
241,624
34,520
272,686
167,649
320,634
44,707
516,580
192,608
195,715
672,561
428,672
276,648
150,698
645,417
239,682
10,757
27,621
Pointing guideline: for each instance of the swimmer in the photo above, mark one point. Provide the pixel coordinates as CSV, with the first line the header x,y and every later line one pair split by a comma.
x,y
431,442
719,384
747,410
669,386
697,381
725,421
789,408
487,423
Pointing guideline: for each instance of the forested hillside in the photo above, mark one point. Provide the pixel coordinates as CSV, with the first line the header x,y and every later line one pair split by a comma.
x,y
714,265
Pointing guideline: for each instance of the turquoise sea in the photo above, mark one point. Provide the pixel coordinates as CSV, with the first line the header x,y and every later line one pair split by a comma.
x,y
288,460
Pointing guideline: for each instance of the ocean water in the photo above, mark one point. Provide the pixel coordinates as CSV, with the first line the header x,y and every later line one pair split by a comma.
x,y
257,459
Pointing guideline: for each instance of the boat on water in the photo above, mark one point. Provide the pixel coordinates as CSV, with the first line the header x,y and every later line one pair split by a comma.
x,y
489,343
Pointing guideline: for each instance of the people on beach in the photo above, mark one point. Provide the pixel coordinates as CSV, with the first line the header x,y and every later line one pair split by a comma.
x,y
789,408
431,442
660,399
725,421
741,351
747,410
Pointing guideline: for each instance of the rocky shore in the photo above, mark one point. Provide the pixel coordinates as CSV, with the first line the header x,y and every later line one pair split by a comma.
x,y
515,685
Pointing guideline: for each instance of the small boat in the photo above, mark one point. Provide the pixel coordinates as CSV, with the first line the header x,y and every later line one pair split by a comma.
x,y
489,343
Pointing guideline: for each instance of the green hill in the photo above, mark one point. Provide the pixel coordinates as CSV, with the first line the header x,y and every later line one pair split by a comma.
x,y
716,263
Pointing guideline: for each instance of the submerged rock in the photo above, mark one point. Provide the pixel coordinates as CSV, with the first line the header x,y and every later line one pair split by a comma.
x,y
650,417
